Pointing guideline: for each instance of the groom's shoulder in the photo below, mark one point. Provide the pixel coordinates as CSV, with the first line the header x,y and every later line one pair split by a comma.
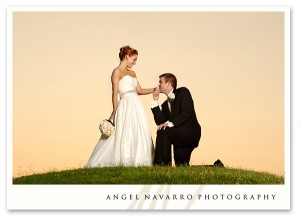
x,y
183,90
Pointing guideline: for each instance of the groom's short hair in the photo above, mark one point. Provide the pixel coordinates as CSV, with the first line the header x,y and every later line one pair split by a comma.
x,y
169,77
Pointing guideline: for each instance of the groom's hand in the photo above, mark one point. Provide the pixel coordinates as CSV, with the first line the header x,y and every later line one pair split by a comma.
x,y
155,94
163,126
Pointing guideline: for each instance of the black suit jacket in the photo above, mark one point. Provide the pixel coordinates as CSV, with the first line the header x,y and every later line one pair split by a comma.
x,y
186,130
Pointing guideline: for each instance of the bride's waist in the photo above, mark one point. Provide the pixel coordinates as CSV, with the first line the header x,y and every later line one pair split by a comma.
x,y
127,92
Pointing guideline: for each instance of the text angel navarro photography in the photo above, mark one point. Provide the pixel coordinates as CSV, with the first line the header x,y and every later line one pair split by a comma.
x,y
203,197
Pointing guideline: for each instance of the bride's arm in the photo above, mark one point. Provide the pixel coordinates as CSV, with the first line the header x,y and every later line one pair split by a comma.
x,y
115,88
142,91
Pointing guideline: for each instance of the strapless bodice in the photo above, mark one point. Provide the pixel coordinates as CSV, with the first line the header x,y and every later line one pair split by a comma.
x,y
127,84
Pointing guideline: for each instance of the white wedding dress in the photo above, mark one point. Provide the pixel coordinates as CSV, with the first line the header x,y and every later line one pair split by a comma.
x,y
131,144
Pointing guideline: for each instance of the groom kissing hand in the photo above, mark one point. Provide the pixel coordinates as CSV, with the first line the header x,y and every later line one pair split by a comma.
x,y
177,123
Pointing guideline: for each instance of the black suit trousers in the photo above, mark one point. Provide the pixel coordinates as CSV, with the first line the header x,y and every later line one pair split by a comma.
x,y
164,140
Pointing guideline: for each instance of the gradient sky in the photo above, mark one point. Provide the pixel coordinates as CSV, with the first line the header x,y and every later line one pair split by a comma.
x,y
232,62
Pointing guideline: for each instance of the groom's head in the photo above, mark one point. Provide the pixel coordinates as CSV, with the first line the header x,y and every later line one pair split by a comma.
x,y
167,83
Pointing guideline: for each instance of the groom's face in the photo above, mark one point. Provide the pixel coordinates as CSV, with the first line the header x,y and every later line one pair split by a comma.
x,y
163,86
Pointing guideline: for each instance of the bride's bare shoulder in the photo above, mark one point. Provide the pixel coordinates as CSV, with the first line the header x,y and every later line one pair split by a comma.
x,y
116,72
132,73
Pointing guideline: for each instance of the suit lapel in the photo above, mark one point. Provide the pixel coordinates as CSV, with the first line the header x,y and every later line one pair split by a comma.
x,y
173,104
172,109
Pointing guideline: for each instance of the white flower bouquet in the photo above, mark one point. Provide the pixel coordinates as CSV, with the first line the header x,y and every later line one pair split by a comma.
x,y
106,127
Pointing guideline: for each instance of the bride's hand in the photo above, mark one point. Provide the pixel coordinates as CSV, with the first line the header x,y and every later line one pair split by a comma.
x,y
112,118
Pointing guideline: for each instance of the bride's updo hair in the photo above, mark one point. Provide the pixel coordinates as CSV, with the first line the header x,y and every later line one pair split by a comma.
x,y
127,50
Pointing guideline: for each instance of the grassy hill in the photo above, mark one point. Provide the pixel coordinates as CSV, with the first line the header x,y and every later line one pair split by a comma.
x,y
152,175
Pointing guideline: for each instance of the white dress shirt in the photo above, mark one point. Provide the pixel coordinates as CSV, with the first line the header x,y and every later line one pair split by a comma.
x,y
155,104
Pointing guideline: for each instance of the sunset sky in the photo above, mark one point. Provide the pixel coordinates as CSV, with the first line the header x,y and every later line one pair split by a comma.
x,y
232,62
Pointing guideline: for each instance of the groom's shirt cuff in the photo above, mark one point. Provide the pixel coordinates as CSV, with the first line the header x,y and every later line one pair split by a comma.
x,y
170,124
154,104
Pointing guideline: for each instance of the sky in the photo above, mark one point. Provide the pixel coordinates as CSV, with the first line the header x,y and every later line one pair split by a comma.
x,y
232,62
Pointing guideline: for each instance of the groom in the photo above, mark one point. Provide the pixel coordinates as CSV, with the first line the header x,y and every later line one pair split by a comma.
x,y
177,123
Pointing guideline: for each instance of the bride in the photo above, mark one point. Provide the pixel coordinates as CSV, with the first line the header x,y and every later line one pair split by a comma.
x,y
131,143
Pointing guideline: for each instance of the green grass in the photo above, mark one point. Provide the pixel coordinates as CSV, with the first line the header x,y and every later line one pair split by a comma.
x,y
152,175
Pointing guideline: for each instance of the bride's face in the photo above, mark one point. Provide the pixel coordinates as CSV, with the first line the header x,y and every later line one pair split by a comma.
x,y
131,60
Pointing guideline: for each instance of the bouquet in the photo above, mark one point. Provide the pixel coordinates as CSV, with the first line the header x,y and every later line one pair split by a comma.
x,y
106,127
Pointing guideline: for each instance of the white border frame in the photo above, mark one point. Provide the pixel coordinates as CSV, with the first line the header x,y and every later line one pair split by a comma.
x,y
220,197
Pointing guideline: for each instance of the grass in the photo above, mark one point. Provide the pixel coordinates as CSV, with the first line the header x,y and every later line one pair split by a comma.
x,y
152,175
